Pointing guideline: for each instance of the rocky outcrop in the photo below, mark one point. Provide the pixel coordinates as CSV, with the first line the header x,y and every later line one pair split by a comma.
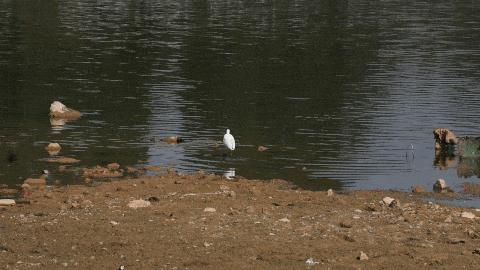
x,y
444,138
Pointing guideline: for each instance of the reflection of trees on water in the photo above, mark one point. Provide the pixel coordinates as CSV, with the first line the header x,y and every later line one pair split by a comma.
x,y
89,57
276,73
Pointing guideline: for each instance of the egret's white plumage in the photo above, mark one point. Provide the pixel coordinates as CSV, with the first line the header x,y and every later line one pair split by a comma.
x,y
228,140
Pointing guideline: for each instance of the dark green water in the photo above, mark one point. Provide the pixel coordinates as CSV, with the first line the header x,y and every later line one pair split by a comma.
x,y
338,90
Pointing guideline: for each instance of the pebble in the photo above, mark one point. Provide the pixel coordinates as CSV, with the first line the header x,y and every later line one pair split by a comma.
x,y
114,223
7,202
139,204
311,262
210,210
345,224
468,215
262,148
330,193
388,201
363,256
286,220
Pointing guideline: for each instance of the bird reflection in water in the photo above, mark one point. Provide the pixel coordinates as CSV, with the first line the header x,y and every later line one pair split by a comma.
x,y
230,174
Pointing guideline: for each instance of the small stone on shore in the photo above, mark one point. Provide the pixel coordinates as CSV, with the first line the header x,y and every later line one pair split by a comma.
x,y
468,215
209,210
7,202
330,192
262,148
362,256
138,204
390,202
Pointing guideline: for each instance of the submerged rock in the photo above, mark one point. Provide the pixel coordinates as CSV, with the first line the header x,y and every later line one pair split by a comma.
x,y
53,148
262,148
472,188
63,160
34,183
419,189
172,139
111,171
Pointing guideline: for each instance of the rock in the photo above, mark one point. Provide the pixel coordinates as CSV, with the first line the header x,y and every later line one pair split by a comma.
x,y
53,148
455,241
286,220
472,188
7,202
311,262
419,189
172,139
8,192
330,192
345,224
209,210
476,251
250,209
114,223
390,202
139,204
63,160
153,199
468,215
34,183
262,148
113,166
59,110
440,186
363,256
444,138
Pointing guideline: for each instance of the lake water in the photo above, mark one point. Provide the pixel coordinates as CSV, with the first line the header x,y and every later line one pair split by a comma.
x,y
338,90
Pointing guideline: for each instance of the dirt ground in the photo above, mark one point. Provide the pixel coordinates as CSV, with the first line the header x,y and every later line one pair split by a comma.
x,y
203,221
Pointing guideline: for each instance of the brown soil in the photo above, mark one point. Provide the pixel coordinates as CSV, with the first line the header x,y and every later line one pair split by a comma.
x,y
206,222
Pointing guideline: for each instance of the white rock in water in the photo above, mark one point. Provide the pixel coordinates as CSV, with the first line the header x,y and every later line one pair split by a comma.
x,y
210,210
138,204
58,107
469,215
440,185
7,202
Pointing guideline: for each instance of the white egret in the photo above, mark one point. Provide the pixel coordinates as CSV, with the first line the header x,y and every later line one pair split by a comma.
x,y
228,140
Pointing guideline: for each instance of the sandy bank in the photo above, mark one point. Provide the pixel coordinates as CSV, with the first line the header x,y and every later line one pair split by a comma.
x,y
203,221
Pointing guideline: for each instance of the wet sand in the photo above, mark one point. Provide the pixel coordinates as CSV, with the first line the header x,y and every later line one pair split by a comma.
x,y
203,221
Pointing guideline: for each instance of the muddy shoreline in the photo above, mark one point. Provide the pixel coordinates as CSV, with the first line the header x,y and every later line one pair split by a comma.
x,y
204,221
